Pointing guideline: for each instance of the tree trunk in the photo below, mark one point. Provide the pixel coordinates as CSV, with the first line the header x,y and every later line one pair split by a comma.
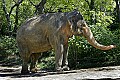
x,y
7,16
117,11
91,7
40,7
16,19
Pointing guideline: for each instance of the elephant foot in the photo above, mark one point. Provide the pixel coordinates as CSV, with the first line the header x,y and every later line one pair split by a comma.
x,y
66,68
33,70
59,69
24,71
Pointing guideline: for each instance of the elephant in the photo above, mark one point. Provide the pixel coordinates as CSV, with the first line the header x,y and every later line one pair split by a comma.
x,y
52,31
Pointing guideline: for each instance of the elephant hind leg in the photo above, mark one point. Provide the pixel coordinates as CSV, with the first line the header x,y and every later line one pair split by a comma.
x,y
25,56
34,58
25,60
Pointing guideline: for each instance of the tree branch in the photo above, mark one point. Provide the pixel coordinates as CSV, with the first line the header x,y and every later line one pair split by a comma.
x,y
12,9
14,1
5,10
88,2
39,7
6,15
92,4
32,3
16,19
16,4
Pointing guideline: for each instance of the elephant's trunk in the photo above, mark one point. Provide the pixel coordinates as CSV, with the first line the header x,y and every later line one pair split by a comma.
x,y
90,38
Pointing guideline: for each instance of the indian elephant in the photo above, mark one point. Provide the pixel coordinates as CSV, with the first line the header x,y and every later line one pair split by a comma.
x,y
52,31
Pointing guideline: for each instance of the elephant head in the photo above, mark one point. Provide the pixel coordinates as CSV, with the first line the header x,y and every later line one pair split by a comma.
x,y
79,27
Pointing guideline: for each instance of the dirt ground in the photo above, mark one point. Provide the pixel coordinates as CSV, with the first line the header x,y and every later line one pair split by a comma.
x,y
110,73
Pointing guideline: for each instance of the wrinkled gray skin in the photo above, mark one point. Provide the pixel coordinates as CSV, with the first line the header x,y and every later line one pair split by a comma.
x,y
52,31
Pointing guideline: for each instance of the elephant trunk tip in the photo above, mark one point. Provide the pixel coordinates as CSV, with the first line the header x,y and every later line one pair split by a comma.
x,y
109,47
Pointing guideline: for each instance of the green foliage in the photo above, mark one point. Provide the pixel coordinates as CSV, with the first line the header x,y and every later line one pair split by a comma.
x,y
7,46
26,11
47,63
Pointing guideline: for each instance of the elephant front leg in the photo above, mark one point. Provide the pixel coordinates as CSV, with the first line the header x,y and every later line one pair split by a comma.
x,y
65,60
59,57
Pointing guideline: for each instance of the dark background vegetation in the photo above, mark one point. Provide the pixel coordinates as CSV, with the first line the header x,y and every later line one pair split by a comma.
x,y
102,16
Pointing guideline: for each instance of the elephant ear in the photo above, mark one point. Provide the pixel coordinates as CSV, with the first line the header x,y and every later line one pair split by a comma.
x,y
73,18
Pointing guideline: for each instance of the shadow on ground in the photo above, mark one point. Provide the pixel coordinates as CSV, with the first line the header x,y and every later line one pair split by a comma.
x,y
11,68
15,73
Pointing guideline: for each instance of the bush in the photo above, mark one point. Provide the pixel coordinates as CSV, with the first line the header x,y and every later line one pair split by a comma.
x,y
7,46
